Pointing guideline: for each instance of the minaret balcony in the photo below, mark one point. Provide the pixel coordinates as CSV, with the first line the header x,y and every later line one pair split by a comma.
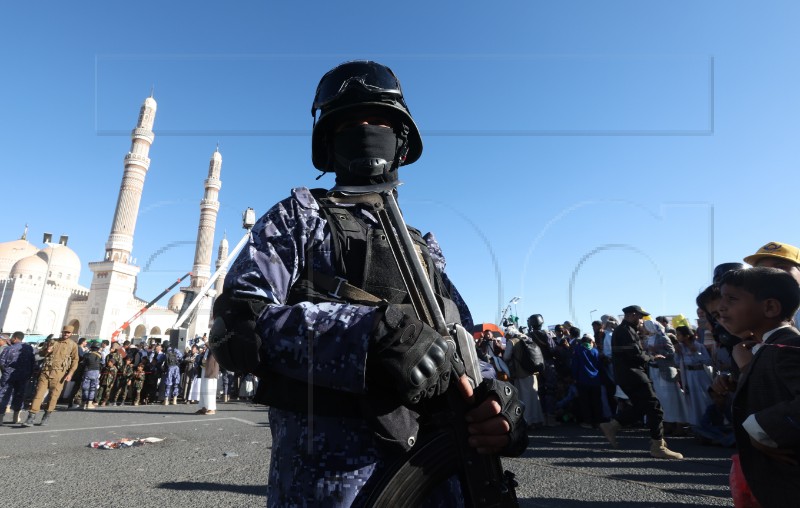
x,y
209,203
142,133
215,183
135,158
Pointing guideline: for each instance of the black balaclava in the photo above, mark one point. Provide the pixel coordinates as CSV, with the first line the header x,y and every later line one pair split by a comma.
x,y
365,154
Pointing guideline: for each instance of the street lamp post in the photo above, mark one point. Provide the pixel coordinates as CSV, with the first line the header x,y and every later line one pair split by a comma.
x,y
591,318
46,239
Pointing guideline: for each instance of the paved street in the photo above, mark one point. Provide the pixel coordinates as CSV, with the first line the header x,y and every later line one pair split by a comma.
x,y
222,460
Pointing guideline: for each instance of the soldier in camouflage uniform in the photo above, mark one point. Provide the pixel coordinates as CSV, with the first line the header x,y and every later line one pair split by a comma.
x,y
138,383
282,302
60,362
107,378
123,383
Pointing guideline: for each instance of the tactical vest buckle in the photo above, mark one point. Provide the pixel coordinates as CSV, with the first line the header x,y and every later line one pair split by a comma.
x,y
335,292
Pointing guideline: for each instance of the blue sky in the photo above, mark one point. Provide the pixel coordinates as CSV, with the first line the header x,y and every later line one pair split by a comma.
x,y
581,155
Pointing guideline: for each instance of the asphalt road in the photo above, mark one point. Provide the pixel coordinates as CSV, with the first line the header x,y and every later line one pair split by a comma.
x,y
222,461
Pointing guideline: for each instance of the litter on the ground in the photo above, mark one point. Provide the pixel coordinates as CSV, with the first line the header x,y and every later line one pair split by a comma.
x,y
123,443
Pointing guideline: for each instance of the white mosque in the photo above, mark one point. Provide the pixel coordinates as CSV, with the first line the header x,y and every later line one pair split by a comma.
x,y
40,291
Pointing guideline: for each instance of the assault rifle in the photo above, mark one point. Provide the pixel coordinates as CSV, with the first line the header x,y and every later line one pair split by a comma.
x,y
443,452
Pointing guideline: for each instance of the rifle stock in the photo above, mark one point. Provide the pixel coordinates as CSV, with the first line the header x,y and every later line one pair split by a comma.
x,y
444,452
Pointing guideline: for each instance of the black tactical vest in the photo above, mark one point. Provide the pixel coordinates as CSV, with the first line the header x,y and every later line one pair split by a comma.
x,y
361,256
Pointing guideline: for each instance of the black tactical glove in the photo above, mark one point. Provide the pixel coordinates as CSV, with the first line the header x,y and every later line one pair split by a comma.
x,y
511,409
233,339
409,357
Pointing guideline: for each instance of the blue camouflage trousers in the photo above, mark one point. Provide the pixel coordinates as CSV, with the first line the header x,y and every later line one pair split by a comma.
x,y
172,382
14,391
91,379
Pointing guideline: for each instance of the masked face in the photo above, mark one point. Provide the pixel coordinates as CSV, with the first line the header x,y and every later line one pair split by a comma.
x,y
364,154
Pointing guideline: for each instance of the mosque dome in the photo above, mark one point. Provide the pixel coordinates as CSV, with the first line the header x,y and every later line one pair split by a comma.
x,y
31,267
65,266
150,103
176,301
11,252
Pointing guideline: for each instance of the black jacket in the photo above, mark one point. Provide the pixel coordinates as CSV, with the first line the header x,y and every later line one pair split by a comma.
x,y
629,359
770,388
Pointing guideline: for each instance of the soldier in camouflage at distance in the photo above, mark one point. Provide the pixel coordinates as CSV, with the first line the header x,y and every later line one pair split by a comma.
x,y
123,382
107,378
138,383
317,278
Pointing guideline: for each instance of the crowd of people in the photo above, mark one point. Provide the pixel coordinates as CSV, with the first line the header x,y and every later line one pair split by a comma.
x,y
97,373
731,381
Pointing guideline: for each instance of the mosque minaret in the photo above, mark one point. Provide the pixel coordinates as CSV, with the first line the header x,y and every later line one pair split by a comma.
x,y
222,257
137,162
114,279
198,323
209,207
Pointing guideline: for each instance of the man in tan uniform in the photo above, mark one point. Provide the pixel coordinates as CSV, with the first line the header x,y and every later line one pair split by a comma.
x,y
61,360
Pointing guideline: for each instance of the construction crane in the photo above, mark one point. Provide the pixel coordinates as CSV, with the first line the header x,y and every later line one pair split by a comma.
x,y
144,309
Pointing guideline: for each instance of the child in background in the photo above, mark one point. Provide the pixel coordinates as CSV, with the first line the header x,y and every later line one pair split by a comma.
x,y
715,424
586,371
92,362
123,383
150,388
138,383
107,378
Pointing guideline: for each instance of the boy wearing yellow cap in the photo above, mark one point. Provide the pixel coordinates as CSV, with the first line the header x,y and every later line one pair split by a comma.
x,y
782,256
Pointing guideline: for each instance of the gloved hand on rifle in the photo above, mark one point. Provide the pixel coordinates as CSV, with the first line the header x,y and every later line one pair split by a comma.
x,y
410,358
495,425
416,362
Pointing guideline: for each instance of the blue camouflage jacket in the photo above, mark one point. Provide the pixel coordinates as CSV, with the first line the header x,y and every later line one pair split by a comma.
x,y
324,460
17,362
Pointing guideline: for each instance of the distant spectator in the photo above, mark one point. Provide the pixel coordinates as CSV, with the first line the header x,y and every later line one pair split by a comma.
x,y
517,348
694,362
17,363
586,372
597,331
663,321
664,376
548,385
715,426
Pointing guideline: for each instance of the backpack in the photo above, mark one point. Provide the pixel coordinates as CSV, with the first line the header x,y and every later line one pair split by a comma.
x,y
528,356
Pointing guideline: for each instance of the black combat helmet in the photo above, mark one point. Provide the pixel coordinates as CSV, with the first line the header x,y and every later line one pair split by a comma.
x,y
535,322
359,84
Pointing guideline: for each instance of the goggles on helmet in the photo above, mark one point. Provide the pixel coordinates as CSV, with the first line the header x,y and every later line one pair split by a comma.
x,y
370,77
